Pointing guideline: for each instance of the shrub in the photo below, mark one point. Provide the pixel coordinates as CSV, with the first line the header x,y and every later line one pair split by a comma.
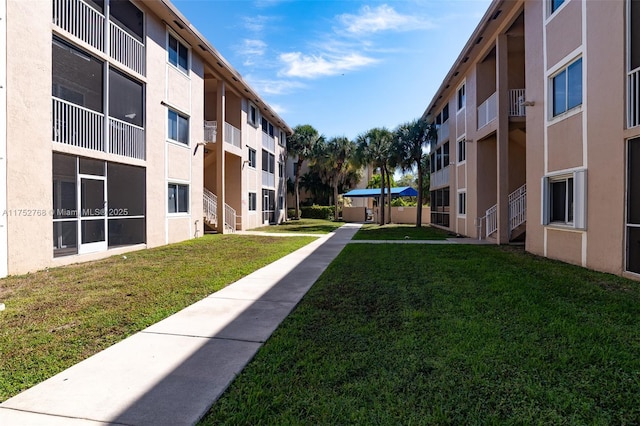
x,y
316,212
291,213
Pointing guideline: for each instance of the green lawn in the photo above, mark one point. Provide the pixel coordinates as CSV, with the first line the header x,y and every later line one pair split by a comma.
x,y
307,226
399,232
55,318
424,334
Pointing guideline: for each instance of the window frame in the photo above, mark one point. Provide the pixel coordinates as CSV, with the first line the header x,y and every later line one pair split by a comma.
x,y
461,99
253,162
575,217
462,203
180,42
461,151
564,72
177,124
253,115
252,202
552,7
177,186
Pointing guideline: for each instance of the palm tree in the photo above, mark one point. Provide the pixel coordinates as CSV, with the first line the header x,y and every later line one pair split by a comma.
x,y
301,145
410,141
336,158
374,148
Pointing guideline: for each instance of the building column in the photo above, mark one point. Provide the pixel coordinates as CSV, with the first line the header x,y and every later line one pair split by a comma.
x,y
502,143
220,161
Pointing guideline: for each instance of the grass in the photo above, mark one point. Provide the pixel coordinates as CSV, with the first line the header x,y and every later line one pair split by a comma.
x,y
423,334
307,226
57,317
399,232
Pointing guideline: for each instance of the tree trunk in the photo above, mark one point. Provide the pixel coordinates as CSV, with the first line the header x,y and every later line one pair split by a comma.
x,y
381,203
296,188
419,211
335,201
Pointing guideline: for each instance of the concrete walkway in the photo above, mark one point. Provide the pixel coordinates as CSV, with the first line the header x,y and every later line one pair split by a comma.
x,y
173,371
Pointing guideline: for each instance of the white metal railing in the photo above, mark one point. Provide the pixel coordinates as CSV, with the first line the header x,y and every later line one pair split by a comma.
x,y
492,219
125,49
443,131
229,218
77,126
487,111
633,98
210,207
268,179
210,131
232,135
81,20
516,101
268,142
126,139
440,178
517,207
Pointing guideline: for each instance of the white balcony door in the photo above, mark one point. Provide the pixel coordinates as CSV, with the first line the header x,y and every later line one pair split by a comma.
x,y
92,198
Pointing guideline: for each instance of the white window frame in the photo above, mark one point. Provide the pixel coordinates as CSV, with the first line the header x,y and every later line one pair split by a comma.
x,y
185,116
568,111
253,164
182,43
254,123
461,105
462,202
551,11
178,212
461,143
253,204
579,177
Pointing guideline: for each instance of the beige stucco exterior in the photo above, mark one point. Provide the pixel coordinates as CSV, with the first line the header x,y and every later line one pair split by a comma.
x,y
525,45
30,149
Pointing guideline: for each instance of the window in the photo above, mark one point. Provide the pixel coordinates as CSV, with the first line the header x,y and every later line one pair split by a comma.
x,y
567,88
438,159
432,163
445,155
440,207
178,54
253,201
555,4
253,115
462,97
125,99
564,199
462,150
267,127
462,203
252,158
178,128
283,139
128,17
178,198
268,162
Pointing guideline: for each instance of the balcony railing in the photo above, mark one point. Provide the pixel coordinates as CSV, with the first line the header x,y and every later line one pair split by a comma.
x,y
268,142
88,24
126,139
232,135
443,131
268,179
491,219
440,177
84,128
516,101
210,131
518,207
126,49
633,98
487,111
230,218
81,20
77,126
210,207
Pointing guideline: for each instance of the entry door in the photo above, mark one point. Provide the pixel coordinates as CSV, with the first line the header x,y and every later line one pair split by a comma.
x,y
93,214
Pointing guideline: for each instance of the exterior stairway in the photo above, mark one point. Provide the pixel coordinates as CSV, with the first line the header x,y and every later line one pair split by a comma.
x,y
210,212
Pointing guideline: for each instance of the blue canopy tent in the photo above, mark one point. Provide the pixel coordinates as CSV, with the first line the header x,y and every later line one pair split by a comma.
x,y
402,191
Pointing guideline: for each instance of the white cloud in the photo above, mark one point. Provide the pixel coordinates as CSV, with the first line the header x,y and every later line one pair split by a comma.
x,y
381,18
256,23
273,87
252,49
313,66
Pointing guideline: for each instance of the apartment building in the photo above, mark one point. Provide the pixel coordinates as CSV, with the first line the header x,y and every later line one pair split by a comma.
x,y
539,135
109,135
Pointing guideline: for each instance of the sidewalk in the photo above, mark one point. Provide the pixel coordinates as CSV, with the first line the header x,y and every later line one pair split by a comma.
x,y
172,372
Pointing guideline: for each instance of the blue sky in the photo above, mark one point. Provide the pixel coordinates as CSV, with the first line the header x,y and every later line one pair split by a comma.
x,y
342,66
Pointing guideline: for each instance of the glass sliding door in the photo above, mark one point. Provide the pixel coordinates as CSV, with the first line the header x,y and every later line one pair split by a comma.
x,y
93,218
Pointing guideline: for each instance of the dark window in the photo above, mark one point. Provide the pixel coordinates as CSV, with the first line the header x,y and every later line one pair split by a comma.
x,y
567,88
462,150
178,127
65,205
253,202
252,158
440,207
125,98
462,203
128,17
445,155
76,76
634,35
268,162
178,54
89,166
462,97
445,113
178,198
555,4
561,199
253,115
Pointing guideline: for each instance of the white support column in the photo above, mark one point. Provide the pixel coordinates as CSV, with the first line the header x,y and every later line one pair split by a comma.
x,y
3,139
